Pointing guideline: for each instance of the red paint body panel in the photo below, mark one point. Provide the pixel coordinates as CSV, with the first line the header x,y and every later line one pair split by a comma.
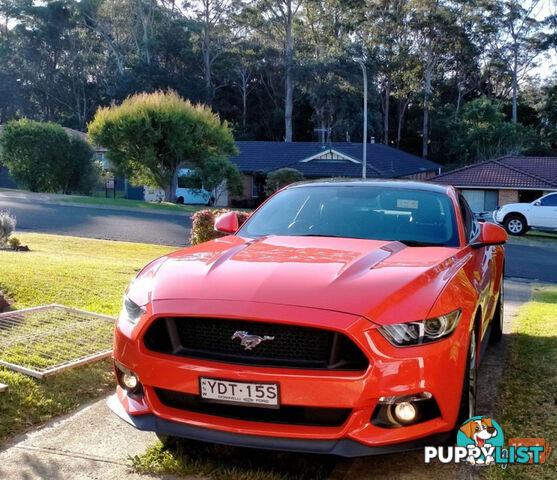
x,y
347,285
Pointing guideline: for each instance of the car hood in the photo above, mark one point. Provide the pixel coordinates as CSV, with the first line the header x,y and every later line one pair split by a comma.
x,y
384,281
515,206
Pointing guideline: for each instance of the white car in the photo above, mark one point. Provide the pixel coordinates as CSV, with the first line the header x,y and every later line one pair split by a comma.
x,y
518,218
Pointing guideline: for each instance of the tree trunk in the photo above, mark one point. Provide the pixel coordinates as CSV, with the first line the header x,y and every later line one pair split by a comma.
x,y
428,73
288,82
402,106
206,48
386,112
515,83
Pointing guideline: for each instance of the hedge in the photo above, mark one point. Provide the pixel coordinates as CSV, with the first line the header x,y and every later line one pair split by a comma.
x,y
203,224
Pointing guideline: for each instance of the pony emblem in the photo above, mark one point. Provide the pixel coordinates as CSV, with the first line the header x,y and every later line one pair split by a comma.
x,y
249,342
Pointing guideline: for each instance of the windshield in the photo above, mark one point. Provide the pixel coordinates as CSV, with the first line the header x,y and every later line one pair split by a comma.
x,y
414,217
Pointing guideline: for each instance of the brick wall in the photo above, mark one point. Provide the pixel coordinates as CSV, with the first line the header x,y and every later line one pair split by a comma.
x,y
507,196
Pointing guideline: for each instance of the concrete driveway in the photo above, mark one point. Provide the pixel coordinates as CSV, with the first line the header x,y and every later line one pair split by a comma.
x,y
94,444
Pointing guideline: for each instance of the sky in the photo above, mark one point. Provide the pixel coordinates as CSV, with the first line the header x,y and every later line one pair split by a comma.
x,y
547,63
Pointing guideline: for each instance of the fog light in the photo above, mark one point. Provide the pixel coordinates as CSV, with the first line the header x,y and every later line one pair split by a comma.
x,y
129,380
405,412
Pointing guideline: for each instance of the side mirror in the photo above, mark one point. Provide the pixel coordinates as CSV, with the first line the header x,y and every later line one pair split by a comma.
x,y
537,203
226,223
490,234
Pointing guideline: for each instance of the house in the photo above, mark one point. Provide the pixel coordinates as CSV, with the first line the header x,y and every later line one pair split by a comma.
x,y
318,160
494,183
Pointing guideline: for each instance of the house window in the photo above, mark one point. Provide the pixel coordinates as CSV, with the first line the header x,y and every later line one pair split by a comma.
x,y
528,196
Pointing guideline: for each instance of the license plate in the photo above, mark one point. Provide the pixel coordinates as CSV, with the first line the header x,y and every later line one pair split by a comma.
x,y
239,393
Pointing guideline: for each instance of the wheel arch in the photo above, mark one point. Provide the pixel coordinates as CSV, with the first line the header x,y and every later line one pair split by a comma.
x,y
516,214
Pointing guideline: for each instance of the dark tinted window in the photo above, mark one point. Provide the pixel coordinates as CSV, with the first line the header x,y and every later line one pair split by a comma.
x,y
190,181
550,201
370,212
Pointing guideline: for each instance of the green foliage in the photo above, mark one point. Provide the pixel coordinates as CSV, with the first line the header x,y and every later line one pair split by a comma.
x,y
203,225
220,462
281,178
481,132
93,52
218,174
14,242
42,157
149,136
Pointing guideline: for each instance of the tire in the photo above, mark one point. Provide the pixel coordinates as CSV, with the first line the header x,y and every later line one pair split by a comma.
x,y
180,200
470,383
516,225
498,318
168,442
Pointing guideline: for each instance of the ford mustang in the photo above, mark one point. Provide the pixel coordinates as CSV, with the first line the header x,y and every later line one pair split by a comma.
x,y
344,317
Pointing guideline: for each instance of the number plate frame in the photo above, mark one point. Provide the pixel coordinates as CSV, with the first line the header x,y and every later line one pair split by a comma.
x,y
235,402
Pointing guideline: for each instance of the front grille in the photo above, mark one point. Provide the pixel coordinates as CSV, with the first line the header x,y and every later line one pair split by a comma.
x,y
293,346
287,414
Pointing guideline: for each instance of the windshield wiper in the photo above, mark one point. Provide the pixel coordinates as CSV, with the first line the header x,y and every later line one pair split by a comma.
x,y
320,235
415,243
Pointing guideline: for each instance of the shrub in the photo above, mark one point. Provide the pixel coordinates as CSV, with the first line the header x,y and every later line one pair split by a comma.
x,y
280,178
42,157
7,226
150,136
203,225
14,242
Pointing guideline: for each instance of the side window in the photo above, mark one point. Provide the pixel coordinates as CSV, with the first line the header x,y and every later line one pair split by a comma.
x,y
550,201
471,227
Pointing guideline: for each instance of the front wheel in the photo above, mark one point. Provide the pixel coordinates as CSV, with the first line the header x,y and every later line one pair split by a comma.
x,y
515,225
470,385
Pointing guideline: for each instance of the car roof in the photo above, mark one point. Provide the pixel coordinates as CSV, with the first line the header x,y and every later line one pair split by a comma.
x,y
395,184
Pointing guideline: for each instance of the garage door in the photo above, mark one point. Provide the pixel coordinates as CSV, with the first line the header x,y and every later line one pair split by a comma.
x,y
476,199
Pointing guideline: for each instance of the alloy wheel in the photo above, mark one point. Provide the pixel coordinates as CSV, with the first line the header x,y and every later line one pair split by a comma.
x,y
515,225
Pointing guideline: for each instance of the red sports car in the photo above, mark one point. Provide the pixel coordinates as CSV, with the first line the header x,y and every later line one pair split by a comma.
x,y
343,317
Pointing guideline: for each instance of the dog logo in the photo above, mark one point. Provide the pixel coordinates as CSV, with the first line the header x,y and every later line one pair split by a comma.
x,y
480,441
480,435
249,342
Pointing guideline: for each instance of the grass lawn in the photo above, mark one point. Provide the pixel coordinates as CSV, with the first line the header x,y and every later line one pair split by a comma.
x,y
122,202
220,462
81,273
528,390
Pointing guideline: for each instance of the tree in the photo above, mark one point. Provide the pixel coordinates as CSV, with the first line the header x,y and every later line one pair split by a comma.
x,y
482,132
43,158
218,175
279,16
281,178
149,137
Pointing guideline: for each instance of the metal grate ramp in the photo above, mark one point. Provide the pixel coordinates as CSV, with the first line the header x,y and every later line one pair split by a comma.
x,y
45,340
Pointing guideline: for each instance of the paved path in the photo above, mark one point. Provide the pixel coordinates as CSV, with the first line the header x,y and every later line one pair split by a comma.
x,y
131,225
411,466
90,444
94,444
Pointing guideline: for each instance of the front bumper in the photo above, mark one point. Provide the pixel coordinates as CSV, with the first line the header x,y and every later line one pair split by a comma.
x,y
343,447
436,368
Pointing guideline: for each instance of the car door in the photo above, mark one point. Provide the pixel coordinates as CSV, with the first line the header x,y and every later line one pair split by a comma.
x,y
485,266
543,213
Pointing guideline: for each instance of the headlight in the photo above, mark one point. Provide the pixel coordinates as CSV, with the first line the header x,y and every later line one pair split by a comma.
x,y
425,331
131,312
